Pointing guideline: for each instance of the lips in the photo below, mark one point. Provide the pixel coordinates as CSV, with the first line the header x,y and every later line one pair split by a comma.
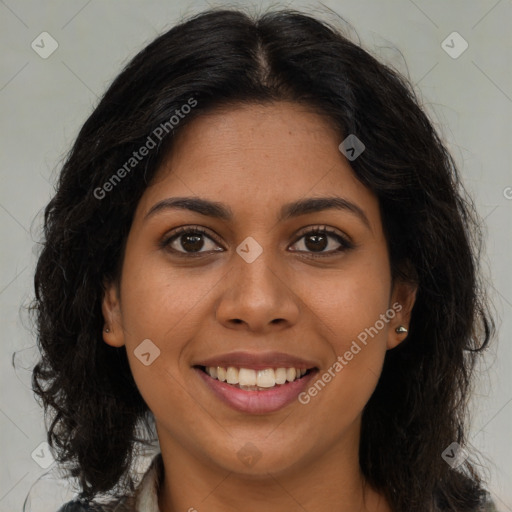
x,y
257,361
256,402
268,393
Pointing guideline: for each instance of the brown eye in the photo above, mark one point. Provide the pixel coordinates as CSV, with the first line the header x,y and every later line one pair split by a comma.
x,y
190,241
317,240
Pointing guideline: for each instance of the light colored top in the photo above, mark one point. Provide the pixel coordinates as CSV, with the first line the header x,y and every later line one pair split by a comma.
x,y
143,499
146,497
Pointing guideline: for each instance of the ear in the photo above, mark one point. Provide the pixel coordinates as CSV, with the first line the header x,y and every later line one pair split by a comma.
x,y
113,333
403,297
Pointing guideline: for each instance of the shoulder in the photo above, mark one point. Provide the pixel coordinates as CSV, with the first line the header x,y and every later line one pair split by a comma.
x,y
488,505
78,506
144,499
121,505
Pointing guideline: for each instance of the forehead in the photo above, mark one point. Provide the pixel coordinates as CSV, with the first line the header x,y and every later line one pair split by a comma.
x,y
256,158
289,137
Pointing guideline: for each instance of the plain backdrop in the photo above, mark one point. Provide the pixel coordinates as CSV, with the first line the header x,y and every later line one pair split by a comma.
x,y
44,101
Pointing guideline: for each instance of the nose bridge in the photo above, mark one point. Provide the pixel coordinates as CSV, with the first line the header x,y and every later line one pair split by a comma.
x,y
255,268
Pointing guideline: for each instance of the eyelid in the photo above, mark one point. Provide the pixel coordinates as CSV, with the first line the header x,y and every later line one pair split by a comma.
x,y
345,241
322,228
174,234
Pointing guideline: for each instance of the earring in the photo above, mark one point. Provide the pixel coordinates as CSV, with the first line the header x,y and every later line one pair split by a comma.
x,y
400,329
107,329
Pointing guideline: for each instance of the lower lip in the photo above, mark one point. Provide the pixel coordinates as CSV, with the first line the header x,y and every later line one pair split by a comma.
x,y
257,402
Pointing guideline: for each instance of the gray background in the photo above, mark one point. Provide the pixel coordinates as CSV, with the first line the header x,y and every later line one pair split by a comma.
x,y
43,103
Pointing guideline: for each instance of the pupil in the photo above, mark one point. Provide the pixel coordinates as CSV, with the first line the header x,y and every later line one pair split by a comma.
x,y
196,245
319,242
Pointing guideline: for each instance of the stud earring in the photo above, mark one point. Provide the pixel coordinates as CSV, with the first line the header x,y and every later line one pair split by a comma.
x,y
400,329
107,329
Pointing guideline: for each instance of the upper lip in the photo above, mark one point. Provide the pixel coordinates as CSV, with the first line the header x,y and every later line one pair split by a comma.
x,y
257,361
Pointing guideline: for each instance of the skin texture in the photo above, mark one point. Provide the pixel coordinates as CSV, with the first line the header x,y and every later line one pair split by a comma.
x,y
254,159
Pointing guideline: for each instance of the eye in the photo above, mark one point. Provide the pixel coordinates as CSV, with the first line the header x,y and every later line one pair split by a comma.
x,y
189,241
317,240
193,241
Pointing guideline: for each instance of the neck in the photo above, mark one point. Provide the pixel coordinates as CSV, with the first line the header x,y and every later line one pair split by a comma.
x,y
332,482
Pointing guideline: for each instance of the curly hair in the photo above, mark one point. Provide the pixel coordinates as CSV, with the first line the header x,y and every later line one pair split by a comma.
x,y
228,58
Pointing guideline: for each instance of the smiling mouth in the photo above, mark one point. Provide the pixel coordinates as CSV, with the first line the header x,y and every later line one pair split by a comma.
x,y
249,379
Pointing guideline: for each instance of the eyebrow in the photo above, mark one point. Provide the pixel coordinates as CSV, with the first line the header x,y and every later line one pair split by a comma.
x,y
290,210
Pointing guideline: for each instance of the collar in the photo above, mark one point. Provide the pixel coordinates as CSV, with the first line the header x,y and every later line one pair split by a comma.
x,y
146,496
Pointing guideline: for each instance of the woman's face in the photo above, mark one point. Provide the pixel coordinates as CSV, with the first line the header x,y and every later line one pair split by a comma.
x,y
255,289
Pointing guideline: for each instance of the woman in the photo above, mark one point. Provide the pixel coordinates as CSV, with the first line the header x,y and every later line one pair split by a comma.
x,y
260,244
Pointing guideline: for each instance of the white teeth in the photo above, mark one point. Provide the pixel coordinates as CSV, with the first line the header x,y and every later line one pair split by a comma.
x,y
248,378
232,375
266,378
290,374
280,374
221,373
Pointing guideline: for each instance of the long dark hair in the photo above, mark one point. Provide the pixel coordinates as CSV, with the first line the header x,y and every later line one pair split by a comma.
x,y
227,58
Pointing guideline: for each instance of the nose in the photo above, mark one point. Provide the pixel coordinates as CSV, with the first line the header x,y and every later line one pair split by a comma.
x,y
258,296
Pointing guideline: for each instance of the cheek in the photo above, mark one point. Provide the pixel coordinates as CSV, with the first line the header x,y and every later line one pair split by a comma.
x,y
351,306
157,299
352,299
165,394
357,341
165,306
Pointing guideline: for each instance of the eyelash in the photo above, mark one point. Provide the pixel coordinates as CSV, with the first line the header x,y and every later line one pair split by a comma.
x,y
344,242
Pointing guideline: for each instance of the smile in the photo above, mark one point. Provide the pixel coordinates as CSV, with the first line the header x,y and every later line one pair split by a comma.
x,y
254,391
254,380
